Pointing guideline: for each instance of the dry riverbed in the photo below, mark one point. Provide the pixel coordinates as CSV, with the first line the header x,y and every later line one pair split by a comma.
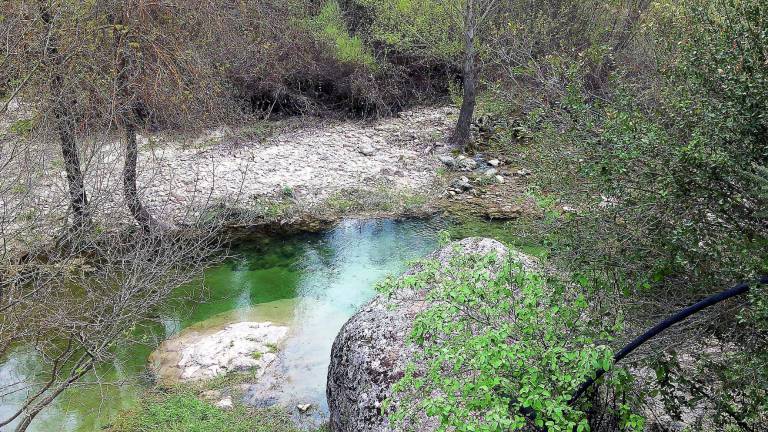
x,y
300,175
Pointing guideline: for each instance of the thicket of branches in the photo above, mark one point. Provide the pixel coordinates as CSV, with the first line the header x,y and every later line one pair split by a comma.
x,y
652,116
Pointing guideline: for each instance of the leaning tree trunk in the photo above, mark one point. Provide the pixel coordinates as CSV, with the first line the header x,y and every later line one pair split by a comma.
x,y
64,124
462,133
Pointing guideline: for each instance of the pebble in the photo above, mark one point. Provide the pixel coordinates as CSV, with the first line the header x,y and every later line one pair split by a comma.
x,y
225,403
447,160
467,164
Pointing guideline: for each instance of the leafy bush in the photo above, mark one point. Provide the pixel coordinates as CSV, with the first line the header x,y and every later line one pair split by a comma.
x,y
428,28
330,25
501,351
667,167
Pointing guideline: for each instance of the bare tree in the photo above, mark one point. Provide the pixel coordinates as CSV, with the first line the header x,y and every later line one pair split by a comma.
x,y
473,16
71,302
74,311
63,115
128,113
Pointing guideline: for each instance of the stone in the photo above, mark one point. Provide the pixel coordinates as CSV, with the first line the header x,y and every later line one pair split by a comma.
x,y
499,179
447,160
461,185
211,394
366,149
491,172
303,408
225,403
494,163
503,213
467,164
607,202
523,172
371,351
191,356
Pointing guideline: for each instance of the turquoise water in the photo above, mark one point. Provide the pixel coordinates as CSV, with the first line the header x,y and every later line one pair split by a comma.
x,y
313,283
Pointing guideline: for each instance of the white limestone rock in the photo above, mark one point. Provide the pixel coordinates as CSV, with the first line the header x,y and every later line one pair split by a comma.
x,y
241,346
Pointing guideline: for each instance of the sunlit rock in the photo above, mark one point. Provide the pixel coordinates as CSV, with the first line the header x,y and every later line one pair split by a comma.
x,y
241,346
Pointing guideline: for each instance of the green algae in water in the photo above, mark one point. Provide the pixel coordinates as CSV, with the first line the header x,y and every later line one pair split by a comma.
x,y
315,282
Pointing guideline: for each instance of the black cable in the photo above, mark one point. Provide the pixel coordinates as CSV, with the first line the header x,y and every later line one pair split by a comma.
x,y
739,289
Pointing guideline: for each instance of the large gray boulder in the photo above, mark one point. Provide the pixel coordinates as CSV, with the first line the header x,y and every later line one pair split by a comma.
x,y
370,352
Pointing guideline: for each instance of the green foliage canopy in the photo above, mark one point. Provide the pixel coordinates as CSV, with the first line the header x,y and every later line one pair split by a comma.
x,y
492,347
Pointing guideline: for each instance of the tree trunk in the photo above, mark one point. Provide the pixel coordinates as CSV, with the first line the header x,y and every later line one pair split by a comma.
x,y
129,116
462,133
130,190
77,195
65,129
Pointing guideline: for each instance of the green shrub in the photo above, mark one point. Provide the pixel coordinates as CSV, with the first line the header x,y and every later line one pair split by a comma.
x,y
491,348
668,171
427,28
330,26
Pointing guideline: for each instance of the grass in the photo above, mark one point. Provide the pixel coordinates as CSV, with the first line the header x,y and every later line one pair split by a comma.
x,y
259,130
22,127
504,232
183,411
380,199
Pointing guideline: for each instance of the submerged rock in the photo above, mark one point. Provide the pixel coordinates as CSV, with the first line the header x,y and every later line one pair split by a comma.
x,y
370,352
194,356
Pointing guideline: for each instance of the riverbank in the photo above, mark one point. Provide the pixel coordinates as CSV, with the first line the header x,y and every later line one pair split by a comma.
x,y
269,177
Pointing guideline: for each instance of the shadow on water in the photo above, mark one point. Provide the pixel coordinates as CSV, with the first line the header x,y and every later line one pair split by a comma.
x,y
313,282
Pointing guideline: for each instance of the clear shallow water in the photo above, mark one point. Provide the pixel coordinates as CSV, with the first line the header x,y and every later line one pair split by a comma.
x,y
313,283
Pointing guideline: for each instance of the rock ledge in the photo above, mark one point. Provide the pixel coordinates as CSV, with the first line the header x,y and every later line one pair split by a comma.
x,y
193,356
